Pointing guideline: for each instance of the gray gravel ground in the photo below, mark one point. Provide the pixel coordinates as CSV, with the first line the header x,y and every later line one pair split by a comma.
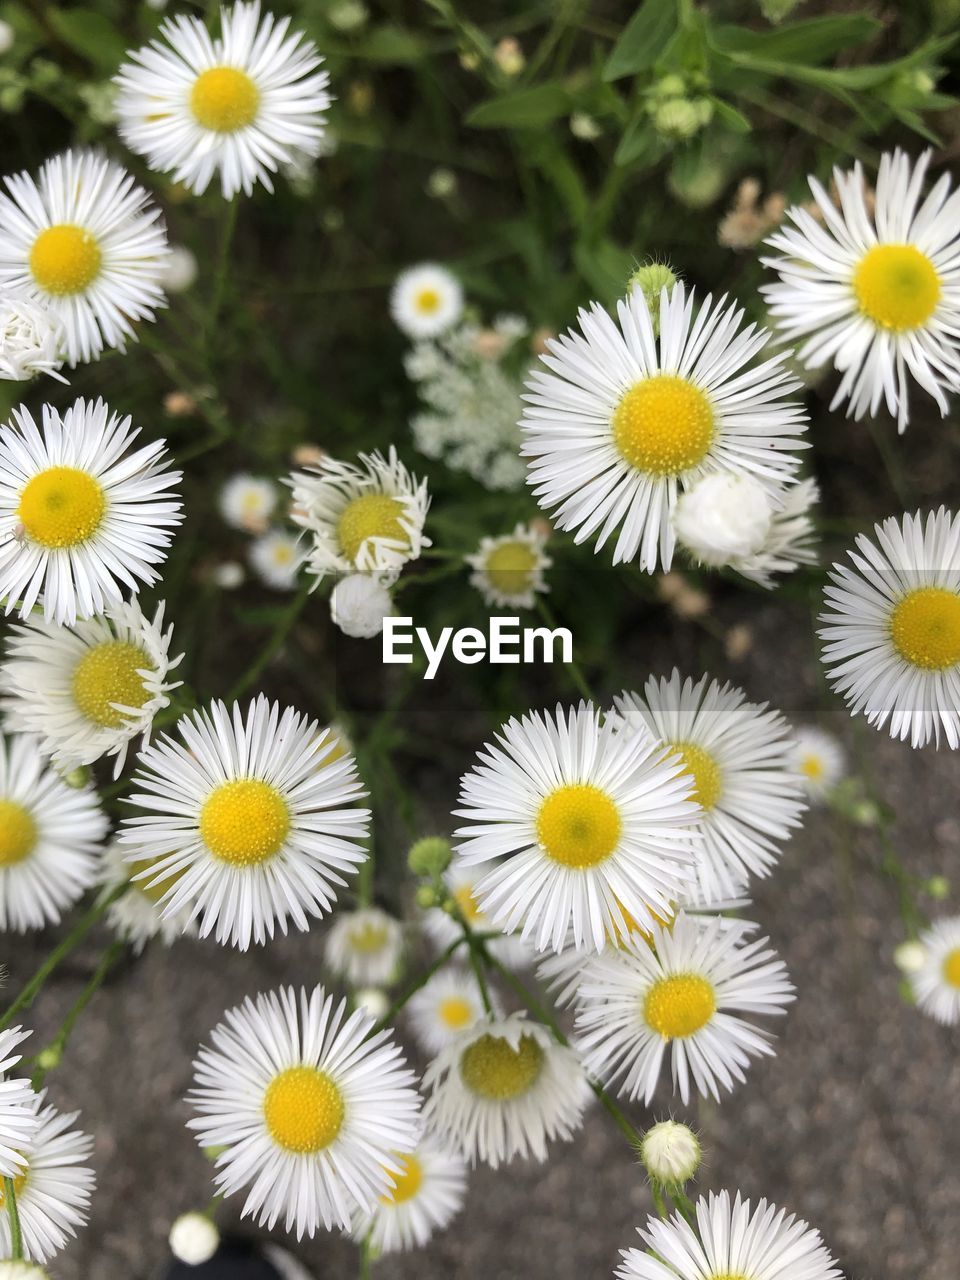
x,y
853,1124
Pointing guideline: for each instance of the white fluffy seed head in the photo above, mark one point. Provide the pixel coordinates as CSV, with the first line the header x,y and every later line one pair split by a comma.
x,y
723,517
359,604
670,1152
194,1239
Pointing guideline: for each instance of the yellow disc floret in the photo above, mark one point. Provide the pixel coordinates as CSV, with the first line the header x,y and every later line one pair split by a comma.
x,y
663,426
18,833
372,515
224,100
427,301
65,259
510,566
925,628
406,1183
492,1068
680,1005
951,968
61,507
896,286
700,765
152,888
578,825
244,822
456,1013
465,900
812,767
107,674
303,1109
368,937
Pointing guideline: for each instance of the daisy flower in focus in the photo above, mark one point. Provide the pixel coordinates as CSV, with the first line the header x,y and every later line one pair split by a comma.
x,y
504,1088
425,301
18,1106
426,1195
891,636
618,421
53,1190
878,296
729,1242
240,105
737,756
31,340
462,883
276,558
246,821
50,835
247,502
88,689
84,241
680,995
365,516
80,515
448,1005
137,917
508,571
313,1112
819,760
936,984
364,947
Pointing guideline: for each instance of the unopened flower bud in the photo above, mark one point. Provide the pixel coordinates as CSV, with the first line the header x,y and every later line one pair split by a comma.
x,y
194,1239
910,957
77,778
426,896
938,887
671,1153
429,856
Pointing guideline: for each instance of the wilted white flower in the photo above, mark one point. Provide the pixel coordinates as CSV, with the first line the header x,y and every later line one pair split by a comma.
x,y
723,516
358,605
31,339
276,558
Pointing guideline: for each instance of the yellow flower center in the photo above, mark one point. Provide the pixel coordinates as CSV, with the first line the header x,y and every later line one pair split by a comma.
x,y
406,1183
153,890
368,937
678,1006
492,1068
463,896
18,833
427,301
951,968
703,769
510,567
65,259
456,1013
578,825
61,507
244,822
372,515
897,286
925,628
224,100
304,1110
663,425
812,767
106,674
619,938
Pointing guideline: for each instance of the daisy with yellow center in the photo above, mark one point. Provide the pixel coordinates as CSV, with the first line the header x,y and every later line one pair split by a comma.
x,y
247,502
137,917
240,105
447,1006
314,1113
426,1195
505,1088
442,928
680,996
736,755
83,240
874,294
729,1240
620,419
508,571
88,690
364,947
426,301
936,983
365,516
81,515
50,836
819,761
246,821
276,558
891,633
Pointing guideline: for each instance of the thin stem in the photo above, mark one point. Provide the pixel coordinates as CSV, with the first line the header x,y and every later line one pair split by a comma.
x,y
55,1048
223,262
16,1237
365,1260
281,631
576,675
418,985
478,958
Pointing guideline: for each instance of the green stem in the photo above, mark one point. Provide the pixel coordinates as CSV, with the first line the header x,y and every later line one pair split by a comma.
x,y
54,1050
223,262
365,1260
658,1200
573,667
418,985
478,957
16,1237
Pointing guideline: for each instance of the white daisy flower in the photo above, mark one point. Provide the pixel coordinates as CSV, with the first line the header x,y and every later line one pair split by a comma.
x,y
590,826
360,603
737,755
240,105
84,241
275,558
936,984
819,760
31,339
53,1190
891,640
447,1006
426,300
364,947
508,571
618,421
683,996
426,1195
878,296
314,1110
50,836
366,517
462,883
247,820
504,1088
18,1105
137,916
80,515
790,539
89,689
729,1242
247,502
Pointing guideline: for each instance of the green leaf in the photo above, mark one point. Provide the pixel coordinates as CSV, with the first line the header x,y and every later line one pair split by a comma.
x,y
730,116
91,34
643,40
639,145
813,41
563,175
527,109
605,266
391,45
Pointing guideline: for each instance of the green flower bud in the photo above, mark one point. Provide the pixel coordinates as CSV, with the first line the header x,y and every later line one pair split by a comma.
x,y
938,888
678,118
672,86
78,777
442,184
865,813
349,15
426,896
429,856
49,1059
651,279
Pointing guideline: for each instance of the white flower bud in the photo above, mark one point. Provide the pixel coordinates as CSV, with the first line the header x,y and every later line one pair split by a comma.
x,y
358,605
373,1001
194,1239
723,517
670,1153
31,340
229,575
910,957
180,269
